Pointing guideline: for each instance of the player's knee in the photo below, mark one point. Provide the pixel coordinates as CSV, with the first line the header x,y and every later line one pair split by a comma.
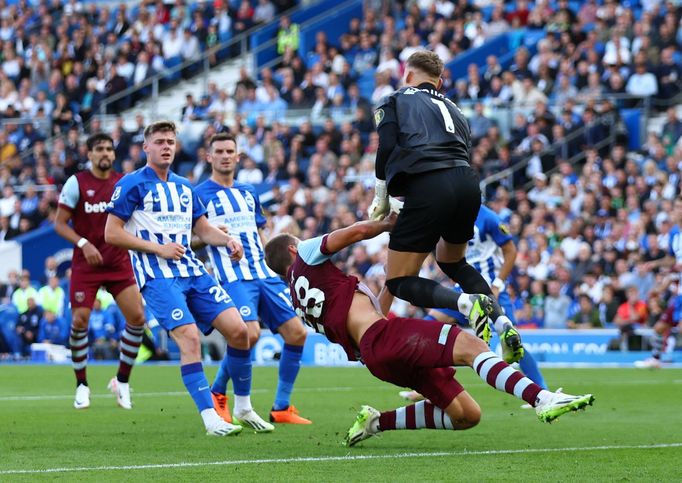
x,y
471,417
467,347
188,340
393,285
79,321
253,330
238,336
137,320
293,332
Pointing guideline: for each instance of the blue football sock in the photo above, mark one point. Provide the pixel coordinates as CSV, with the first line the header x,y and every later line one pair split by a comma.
x,y
530,368
428,317
222,376
289,364
195,381
239,364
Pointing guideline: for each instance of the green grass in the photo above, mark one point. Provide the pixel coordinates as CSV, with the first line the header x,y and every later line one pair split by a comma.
x,y
634,408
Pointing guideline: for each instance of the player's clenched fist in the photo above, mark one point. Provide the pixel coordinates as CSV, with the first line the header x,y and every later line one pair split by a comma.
x,y
171,251
235,248
380,205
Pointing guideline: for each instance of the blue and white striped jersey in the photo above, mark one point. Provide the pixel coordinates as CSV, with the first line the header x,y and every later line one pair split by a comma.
x,y
239,209
160,211
483,251
675,248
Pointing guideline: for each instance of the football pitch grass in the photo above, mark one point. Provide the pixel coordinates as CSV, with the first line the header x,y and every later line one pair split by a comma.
x,y
632,433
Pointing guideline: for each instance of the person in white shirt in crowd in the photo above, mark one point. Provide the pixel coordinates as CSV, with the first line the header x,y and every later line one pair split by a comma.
x,y
642,83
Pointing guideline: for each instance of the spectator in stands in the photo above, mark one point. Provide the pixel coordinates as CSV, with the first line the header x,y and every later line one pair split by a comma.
x,y
28,325
479,123
264,12
631,314
24,292
287,35
556,306
52,330
669,74
587,316
642,83
102,333
51,296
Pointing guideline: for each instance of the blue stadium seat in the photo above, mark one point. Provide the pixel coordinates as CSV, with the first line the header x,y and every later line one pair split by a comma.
x,y
169,64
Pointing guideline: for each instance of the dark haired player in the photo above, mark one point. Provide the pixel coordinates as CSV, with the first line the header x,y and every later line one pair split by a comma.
x,y
96,264
407,352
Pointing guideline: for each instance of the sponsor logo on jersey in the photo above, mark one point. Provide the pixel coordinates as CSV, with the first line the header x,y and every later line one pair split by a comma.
x,y
245,310
116,194
176,314
100,207
504,228
90,193
79,296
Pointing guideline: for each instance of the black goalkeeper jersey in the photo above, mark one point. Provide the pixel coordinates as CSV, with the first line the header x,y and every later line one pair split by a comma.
x,y
432,134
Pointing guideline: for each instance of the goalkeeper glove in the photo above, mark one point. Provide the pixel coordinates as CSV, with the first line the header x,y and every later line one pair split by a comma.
x,y
380,206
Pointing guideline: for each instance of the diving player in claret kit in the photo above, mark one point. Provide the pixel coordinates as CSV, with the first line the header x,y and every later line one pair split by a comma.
x,y
406,352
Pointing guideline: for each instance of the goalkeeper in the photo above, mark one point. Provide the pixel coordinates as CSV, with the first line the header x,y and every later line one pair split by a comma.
x,y
423,155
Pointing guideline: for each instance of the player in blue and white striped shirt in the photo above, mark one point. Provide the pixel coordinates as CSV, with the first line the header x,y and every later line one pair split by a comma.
x,y
153,213
255,289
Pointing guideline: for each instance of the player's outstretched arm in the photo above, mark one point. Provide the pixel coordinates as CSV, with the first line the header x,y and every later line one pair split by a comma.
x,y
63,229
362,230
211,235
115,234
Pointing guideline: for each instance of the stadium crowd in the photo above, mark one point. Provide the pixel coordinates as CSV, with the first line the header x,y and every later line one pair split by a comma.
x,y
586,233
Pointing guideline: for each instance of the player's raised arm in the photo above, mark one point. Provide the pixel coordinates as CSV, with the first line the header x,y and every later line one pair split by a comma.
x,y
362,230
211,235
115,234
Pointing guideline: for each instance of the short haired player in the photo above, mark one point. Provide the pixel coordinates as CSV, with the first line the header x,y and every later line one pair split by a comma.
x,y
255,289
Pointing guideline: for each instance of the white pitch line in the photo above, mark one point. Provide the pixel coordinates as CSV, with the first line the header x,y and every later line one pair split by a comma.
x,y
181,393
322,459
57,397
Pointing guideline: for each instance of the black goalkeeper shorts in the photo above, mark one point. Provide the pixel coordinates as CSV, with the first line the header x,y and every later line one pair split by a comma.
x,y
438,204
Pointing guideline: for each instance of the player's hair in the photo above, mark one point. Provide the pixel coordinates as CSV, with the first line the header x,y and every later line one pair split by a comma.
x,y
159,126
221,136
97,138
426,61
277,255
